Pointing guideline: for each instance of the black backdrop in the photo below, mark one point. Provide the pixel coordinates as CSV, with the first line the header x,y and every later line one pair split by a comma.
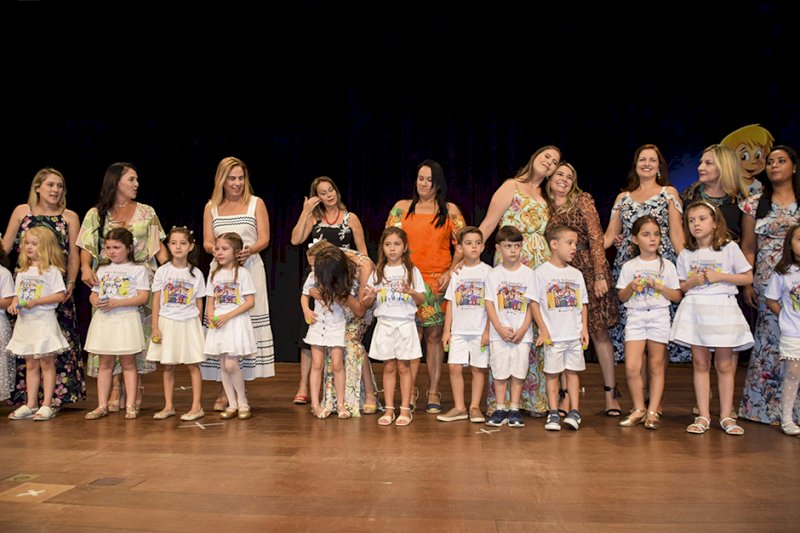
x,y
364,92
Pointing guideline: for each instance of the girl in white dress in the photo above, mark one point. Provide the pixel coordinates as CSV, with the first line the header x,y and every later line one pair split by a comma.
x,y
178,291
330,283
39,288
710,268
230,337
116,328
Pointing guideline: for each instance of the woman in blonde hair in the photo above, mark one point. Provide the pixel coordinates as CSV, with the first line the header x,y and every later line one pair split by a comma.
x,y
234,208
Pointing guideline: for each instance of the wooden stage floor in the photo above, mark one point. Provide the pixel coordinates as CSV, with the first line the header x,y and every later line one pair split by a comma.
x,y
283,470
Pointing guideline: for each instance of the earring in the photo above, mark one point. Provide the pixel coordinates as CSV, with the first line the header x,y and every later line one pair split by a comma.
x,y
658,174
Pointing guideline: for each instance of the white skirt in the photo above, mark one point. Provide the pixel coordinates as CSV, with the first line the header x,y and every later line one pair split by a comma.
x,y
326,333
37,334
117,333
713,321
234,338
182,342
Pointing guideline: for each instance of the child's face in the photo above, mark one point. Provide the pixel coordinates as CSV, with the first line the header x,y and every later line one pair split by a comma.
x,y
701,222
179,245
116,251
564,246
223,252
796,244
510,251
393,249
472,245
648,239
31,246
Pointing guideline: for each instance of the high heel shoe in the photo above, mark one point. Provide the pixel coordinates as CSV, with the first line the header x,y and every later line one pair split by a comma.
x,y
634,418
370,408
113,405
613,411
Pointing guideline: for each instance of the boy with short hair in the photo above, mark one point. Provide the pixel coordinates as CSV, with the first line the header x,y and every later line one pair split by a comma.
x,y
466,329
510,333
558,305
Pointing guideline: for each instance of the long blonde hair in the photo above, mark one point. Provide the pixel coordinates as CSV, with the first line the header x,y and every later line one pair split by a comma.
x,y
730,173
50,253
38,179
223,169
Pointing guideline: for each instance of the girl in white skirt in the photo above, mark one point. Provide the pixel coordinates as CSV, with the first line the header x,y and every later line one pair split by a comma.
x,y
330,283
646,285
783,299
398,288
39,288
230,295
116,327
710,268
8,365
177,339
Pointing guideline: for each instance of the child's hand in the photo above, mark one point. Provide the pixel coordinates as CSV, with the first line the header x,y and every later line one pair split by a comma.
x,y
484,339
221,320
519,335
402,287
543,338
12,307
156,336
210,321
585,339
310,316
446,341
712,276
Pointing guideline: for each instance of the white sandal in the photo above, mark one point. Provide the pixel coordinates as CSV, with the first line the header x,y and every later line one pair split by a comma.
x,y
731,429
699,426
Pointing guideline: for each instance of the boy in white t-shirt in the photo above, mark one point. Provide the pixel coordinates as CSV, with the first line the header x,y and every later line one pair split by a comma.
x,y
558,305
466,329
510,335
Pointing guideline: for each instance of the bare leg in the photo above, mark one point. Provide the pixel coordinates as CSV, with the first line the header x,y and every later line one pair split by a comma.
x,y
435,354
169,386
305,370
197,388
605,356
457,386
32,379
701,362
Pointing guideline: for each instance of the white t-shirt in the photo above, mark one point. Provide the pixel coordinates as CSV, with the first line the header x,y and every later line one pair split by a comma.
x,y
227,293
390,302
33,284
507,289
6,283
561,295
123,280
467,293
180,290
785,288
728,260
659,271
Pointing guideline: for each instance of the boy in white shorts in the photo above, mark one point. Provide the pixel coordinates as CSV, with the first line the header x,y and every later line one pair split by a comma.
x,y
466,329
510,335
558,305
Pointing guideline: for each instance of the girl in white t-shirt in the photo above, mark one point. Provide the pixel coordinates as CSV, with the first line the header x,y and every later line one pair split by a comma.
x,y
116,327
710,268
37,337
177,338
397,288
230,294
783,299
646,285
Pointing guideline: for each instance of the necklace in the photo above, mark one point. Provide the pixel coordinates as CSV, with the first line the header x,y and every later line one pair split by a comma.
x,y
335,218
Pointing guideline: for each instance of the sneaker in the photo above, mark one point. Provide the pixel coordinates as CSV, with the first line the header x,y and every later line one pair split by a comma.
x,y
573,419
452,415
498,418
515,419
553,421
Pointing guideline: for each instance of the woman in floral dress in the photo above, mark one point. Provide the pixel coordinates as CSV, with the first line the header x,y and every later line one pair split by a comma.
x,y
47,206
521,202
768,215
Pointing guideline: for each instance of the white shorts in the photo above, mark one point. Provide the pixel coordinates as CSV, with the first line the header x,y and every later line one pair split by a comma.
x,y
790,348
466,350
509,359
648,325
564,355
395,340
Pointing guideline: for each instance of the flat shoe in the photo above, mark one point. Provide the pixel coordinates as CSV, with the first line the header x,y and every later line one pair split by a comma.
x,y
790,428
228,413
452,415
188,417
44,413
164,414
97,413
476,416
244,412
23,412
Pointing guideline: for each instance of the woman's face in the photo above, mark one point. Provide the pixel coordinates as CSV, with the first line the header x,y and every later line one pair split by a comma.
x,y
546,162
425,187
647,166
707,170
779,167
233,186
51,190
327,194
561,181
128,185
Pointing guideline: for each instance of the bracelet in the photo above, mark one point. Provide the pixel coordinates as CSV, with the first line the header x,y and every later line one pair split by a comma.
x,y
70,282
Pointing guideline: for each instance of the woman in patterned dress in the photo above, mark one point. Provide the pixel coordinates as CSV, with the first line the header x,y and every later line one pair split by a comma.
x,y
648,193
431,223
234,208
47,206
324,216
575,208
521,202
117,207
768,216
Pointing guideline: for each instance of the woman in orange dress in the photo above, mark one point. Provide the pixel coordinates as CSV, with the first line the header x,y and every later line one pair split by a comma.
x,y
431,223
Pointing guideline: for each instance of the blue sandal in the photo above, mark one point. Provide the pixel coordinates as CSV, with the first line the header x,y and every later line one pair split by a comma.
x,y
433,408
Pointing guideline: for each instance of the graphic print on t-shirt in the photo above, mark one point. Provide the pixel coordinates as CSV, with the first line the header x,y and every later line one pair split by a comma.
x,y
30,288
391,292
512,296
794,295
177,291
114,284
643,289
562,294
701,265
470,294
226,292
